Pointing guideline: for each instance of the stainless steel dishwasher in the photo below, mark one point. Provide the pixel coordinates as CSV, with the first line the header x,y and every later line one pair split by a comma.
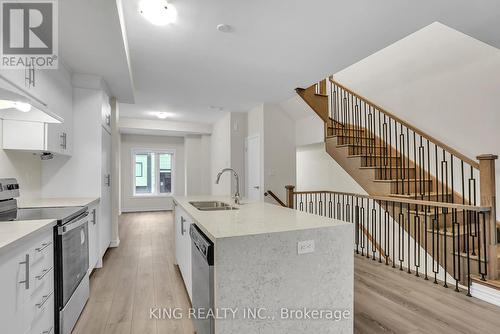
x,y
202,263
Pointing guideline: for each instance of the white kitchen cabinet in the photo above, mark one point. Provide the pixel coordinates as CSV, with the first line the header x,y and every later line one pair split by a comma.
x,y
94,243
53,91
27,286
90,161
183,246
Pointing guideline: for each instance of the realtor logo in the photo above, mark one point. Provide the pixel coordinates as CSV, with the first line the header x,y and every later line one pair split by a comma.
x,y
29,34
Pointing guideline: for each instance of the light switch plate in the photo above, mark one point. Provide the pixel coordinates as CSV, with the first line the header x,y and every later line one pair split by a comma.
x,y
305,247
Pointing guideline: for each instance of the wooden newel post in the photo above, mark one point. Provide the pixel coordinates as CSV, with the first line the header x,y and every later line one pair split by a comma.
x,y
488,198
322,87
289,196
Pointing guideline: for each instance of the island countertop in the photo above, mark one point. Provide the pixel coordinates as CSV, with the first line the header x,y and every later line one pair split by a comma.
x,y
251,218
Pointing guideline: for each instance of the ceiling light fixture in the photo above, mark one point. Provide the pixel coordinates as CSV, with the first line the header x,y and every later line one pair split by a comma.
x,y
22,106
158,12
162,115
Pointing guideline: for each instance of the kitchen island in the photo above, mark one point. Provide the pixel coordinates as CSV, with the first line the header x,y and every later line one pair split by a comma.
x,y
276,270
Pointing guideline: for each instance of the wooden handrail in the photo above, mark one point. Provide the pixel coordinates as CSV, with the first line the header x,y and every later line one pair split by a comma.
x,y
276,198
457,154
402,200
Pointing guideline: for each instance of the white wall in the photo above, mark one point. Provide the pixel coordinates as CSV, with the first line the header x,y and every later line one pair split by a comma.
x,y
221,154
197,165
309,130
24,166
206,171
317,170
130,142
441,81
279,150
238,135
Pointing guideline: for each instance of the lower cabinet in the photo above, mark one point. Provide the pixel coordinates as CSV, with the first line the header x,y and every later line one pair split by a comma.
x,y
183,246
27,286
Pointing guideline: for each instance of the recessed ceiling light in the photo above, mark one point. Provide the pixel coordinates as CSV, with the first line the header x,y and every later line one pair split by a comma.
x,y
224,28
158,12
162,115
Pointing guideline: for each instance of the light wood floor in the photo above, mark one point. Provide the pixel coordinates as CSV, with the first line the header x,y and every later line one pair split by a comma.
x,y
140,274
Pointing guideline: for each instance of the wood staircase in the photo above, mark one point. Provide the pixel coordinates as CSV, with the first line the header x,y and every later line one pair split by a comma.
x,y
390,158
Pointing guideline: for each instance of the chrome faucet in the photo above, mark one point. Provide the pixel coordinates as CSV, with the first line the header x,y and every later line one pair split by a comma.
x,y
237,193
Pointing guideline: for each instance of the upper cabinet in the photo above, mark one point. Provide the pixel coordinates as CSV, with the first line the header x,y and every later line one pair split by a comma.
x,y
50,92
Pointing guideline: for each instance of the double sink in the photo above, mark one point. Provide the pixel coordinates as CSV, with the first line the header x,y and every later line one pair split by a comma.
x,y
212,206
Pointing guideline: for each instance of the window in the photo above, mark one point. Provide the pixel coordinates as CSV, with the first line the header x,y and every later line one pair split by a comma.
x,y
153,173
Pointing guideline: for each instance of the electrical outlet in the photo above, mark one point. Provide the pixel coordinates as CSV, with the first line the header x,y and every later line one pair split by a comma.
x,y
305,247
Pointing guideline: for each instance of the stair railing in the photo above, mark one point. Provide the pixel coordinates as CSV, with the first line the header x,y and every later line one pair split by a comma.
x,y
411,234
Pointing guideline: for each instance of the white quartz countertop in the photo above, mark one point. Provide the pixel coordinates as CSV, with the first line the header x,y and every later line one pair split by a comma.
x,y
56,202
251,218
17,231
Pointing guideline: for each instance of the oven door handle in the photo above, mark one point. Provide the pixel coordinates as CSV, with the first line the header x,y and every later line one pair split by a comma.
x,y
62,230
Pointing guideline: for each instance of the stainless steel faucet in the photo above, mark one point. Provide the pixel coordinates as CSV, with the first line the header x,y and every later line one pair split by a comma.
x,y
237,193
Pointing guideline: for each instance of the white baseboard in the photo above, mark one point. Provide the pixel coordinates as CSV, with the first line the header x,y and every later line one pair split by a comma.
x,y
114,243
485,293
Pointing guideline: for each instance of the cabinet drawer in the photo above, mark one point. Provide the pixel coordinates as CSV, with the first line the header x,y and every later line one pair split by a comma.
x,y
42,253
43,318
42,282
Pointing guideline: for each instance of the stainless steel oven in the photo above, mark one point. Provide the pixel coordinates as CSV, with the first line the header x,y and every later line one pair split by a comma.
x,y
71,252
72,264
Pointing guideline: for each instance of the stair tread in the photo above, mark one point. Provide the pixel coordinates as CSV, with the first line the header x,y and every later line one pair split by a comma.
x,y
378,167
413,194
372,156
405,180
494,284
361,145
448,230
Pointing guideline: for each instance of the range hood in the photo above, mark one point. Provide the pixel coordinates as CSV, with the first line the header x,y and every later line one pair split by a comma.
x,y
18,104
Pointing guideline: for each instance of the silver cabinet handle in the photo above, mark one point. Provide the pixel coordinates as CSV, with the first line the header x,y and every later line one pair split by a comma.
x,y
108,120
26,281
183,230
42,275
108,180
48,331
44,245
63,140
44,300
93,217
256,187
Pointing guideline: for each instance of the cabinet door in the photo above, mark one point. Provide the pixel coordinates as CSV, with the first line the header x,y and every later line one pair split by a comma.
x,y
183,247
14,270
93,237
23,135
178,235
105,204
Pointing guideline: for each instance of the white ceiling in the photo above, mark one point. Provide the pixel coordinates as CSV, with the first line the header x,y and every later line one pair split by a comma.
x,y
91,42
276,46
